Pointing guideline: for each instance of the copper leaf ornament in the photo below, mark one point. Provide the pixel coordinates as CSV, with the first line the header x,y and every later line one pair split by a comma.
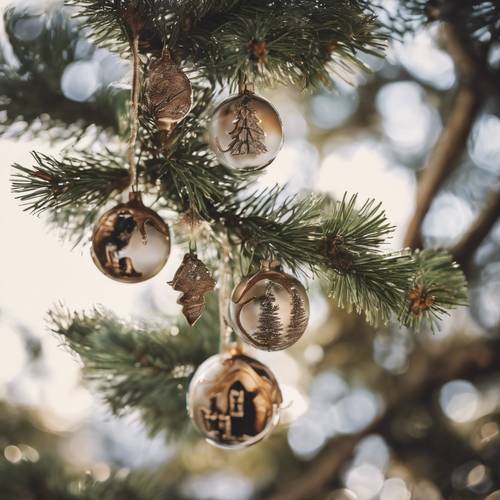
x,y
194,280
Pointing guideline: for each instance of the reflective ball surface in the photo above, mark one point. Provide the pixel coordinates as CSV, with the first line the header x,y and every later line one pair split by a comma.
x,y
246,132
234,400
130,242
270,309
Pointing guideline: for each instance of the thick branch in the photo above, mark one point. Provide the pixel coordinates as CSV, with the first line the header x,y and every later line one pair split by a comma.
x,y
444,158
427,373
467,246
449,147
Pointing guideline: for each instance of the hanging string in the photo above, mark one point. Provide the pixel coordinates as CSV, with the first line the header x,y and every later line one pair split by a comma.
x,y
226,331
134,108
192,222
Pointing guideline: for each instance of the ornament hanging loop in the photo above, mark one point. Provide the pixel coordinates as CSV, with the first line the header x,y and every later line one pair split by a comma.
x,y
246,88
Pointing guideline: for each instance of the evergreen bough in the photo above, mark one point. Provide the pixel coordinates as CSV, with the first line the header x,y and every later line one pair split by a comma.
x,y
218,42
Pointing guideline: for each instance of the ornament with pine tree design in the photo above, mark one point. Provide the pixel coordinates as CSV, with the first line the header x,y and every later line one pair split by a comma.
x,y
246,131
270,309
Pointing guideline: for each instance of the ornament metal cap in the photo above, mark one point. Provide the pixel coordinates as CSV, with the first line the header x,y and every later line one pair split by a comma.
x,y
246,88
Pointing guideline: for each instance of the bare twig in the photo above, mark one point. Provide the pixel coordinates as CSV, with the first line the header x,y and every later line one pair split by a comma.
x,y
426,374
466,247
443,159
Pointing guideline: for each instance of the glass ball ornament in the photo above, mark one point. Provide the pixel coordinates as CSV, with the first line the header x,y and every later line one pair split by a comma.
x,y
234,400
270,309
130,242
246,132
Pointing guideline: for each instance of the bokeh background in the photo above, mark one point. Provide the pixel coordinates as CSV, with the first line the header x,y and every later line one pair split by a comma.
x,y
343,382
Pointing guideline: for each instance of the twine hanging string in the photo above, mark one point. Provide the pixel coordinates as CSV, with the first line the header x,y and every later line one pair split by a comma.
x,y
226,332
134,102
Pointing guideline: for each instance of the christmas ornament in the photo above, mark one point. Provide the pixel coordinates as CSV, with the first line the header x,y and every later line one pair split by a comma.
x,y
130,243
193,279
169,95
246,132
270,308
234,400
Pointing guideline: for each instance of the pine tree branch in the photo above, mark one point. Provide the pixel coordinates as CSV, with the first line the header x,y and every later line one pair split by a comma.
x,y
139,368
30,86
53,184
338,241
465,249
307,234
438,285
49,479
232,41
361,230
267,225
375,285
362,276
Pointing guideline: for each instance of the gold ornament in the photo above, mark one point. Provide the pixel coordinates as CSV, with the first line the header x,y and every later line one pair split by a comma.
x,y
270,309
234,400
169,94
193,279
246,132
130,243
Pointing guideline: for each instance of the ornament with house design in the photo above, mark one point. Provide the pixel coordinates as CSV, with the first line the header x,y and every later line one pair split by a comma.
x,y
194,280
246,131
270,309
234,400
130,242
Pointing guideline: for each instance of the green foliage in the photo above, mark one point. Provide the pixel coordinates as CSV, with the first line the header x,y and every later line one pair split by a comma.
x,y
308,234
30,81
298,42
139,368
301,39
362,276
374,285
181,164
54,184
438,285
49,479
268,225
357,230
